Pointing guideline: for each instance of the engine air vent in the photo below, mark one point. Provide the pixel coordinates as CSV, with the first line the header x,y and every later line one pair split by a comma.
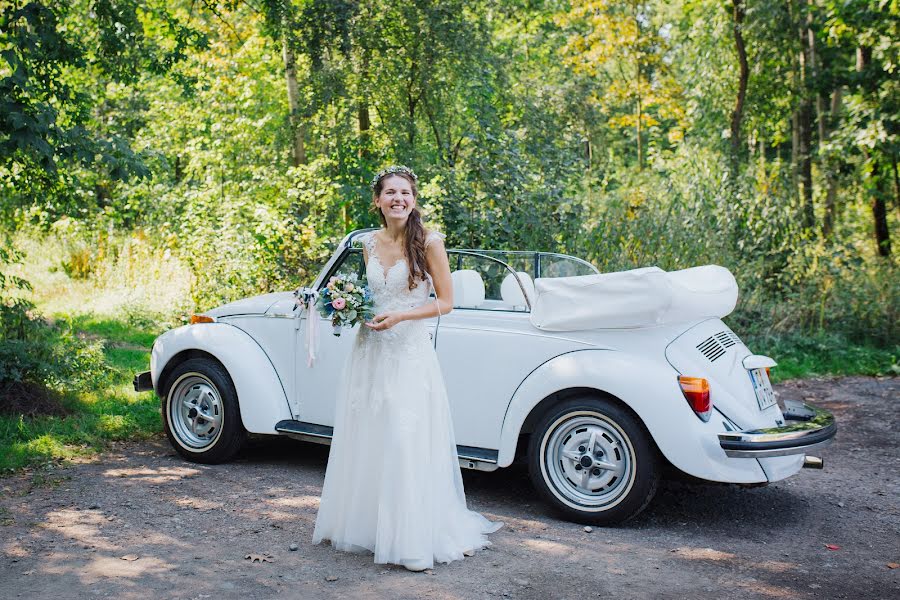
x,y
716,345
711,348
727,338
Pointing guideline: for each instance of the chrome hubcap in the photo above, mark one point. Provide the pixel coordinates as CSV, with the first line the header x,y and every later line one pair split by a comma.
x,y
589,460
195,410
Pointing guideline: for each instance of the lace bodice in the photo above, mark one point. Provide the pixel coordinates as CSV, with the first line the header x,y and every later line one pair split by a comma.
x,y
390,283
390,291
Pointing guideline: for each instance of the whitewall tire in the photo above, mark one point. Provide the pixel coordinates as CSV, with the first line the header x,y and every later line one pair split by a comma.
x,y
200,410
593,461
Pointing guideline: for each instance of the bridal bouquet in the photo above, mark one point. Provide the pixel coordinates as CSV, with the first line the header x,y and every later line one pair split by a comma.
x,y
346,301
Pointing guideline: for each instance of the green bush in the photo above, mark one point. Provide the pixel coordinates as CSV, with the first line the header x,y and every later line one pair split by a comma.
x,y
36,354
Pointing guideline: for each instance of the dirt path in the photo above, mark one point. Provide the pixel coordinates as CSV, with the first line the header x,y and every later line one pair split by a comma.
x,y
184,530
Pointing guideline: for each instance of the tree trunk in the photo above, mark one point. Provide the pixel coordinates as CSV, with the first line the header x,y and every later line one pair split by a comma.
x,y
879,208
640,118
412,101
814,70
411,119
762,155
805,167
298,128
795,148
795,118
639,126
896,180
804,122
737,114
363,116
830,176
879,213
362,107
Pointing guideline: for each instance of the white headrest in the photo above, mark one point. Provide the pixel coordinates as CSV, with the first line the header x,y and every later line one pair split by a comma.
x,y
468,288
510,291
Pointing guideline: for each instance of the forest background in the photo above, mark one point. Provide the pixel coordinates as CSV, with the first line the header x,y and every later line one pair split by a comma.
x,y
161,157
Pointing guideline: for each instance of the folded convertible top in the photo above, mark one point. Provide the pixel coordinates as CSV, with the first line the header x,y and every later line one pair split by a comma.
x,y
636,298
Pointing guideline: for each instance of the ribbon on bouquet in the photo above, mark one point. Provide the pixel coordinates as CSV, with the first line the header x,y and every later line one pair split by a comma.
x,y
305,297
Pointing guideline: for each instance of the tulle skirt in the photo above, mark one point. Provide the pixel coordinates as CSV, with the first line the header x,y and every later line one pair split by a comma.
x,y
393,484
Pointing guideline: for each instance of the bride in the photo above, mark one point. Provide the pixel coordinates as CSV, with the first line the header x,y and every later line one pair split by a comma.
x,y
393,484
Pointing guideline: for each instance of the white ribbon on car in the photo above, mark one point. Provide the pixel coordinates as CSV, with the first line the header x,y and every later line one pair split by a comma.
x,y
306,297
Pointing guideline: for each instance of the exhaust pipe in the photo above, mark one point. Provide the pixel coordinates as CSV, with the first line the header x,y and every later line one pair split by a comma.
x,y
813,462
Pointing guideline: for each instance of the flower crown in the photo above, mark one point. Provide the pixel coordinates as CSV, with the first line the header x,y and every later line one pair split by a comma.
x,y
393,170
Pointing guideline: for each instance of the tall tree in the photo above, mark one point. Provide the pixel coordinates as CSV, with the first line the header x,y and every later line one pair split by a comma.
x,y
620,44
739,13
869,29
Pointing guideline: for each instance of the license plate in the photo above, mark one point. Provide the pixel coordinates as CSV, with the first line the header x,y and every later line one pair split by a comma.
x,y
765,397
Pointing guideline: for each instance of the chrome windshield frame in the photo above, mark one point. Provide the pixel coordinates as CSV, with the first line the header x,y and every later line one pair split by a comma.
x,y
346,246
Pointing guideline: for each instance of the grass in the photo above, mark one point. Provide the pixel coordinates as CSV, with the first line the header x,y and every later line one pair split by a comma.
x,y
800,356
97,417
126,308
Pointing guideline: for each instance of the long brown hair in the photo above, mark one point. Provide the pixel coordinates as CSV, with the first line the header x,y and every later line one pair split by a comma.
x,y
414,245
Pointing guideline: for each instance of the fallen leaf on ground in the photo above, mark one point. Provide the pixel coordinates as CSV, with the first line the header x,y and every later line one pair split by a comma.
x,y
832,546
130,557
261,558
893,565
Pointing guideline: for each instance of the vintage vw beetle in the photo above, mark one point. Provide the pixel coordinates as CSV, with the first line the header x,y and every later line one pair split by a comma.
x,y
597,381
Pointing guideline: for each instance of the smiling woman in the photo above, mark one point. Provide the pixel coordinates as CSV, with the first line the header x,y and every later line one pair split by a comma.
x,y
393,482
394,195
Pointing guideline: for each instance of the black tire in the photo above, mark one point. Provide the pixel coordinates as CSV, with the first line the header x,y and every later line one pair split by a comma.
x,y
621,492
206,384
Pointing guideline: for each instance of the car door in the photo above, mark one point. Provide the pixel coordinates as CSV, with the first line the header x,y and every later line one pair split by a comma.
x,y
317,384
486,346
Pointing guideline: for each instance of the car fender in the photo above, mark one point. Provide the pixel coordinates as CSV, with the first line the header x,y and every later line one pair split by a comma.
x,y
260,391
650,389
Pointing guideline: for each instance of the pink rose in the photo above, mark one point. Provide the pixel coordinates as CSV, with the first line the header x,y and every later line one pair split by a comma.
x,y
338,303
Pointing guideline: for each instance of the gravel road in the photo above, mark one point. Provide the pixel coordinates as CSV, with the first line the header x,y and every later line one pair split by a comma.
x,y
139,522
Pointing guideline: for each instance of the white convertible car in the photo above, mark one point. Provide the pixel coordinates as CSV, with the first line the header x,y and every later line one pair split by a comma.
x,y
596,380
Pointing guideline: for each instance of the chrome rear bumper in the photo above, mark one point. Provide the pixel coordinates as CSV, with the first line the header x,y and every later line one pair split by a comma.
x,y
807,427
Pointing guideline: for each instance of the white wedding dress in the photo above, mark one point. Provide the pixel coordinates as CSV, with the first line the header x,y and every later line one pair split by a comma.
x,y
393,484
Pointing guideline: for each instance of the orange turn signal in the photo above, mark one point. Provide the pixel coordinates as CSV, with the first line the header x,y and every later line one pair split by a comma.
x,y
201,319
696,392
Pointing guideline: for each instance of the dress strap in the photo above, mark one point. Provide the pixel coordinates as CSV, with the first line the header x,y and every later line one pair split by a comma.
x,y
432,236
368,240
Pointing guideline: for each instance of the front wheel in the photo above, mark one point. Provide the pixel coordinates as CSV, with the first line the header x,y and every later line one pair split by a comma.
x,y
593,461
200,411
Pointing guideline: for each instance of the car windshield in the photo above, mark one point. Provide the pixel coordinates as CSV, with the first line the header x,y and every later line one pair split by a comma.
x,y
506,276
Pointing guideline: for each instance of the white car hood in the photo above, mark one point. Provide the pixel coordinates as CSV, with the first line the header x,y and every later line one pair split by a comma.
x,y
257,305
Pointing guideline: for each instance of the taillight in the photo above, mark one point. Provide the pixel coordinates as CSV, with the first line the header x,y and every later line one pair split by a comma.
x,y
696,391
201,319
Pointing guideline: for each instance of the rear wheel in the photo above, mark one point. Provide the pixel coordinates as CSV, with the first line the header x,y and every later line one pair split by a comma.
x,y
593,461
201,415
